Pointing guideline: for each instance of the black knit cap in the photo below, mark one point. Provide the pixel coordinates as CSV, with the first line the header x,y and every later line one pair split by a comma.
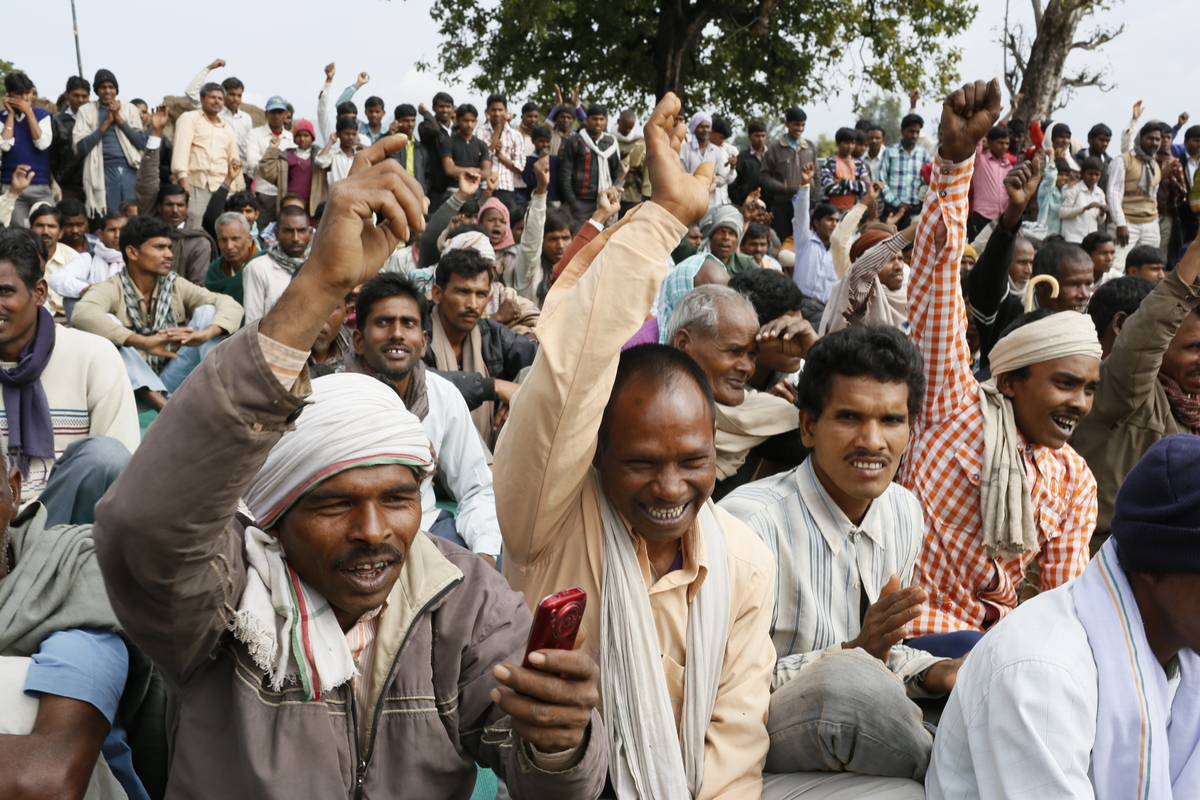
x,y
1156,521
105,76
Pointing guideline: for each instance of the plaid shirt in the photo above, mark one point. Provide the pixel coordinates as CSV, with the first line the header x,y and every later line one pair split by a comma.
x,y
832,185
512,146
967,588
901,174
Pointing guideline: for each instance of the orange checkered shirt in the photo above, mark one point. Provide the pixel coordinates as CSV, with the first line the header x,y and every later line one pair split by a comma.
x,y
968,589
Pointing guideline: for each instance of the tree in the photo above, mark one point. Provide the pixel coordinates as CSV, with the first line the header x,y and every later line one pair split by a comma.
x,y
5,68
884,112
735,57
1037,72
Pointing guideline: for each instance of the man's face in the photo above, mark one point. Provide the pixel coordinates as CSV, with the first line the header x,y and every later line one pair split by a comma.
x,y
1151,141
74,232
213,102
723,242
694,236
554,243
47,227
153,257
144,112
755,248
1063,142
110,235
1151,272
304,139
910,135
1051,399
77,97
657,461
329,330
1090,178
249,212
466,125
233,100
530,119
1099,144
702,131
392,339
858,439
348,138
541,145
173,208
462,302
374,116
18,309
1102,259
758,140
1192,146
966,263
859,149
443,112
276,118
846,149
493,223
825,225
596,125
294,234
875,142
892,276
348,537
564,120
235,244
106,93
998,147
1021,267
1181,362
625,124
795,130
1076,284
406,125
497,114
728,357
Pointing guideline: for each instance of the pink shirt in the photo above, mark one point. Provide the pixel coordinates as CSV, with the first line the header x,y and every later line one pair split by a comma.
x,y
988,198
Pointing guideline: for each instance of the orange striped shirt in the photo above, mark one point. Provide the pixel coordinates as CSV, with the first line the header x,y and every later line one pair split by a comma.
x,y
968,588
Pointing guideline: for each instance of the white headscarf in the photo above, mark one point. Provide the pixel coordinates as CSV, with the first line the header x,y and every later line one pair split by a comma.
x,y
472,240
697,118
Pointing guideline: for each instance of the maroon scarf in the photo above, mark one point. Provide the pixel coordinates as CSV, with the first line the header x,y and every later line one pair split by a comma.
x,y
1185,407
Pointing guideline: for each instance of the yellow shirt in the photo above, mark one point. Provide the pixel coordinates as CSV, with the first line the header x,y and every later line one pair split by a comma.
x,y
203,151
547,498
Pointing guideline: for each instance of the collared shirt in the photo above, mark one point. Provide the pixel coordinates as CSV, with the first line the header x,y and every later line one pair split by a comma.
x,y
873,165
203,150
942,466
1116,190
988,196
61,257
511,147
792,143
257,143
813,271
901,174
1077,223
40,143
691,157
361,640
263,283
827,564
241,123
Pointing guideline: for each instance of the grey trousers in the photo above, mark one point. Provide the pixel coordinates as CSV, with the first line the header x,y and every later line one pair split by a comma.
x,y
846,712
839,786
80,478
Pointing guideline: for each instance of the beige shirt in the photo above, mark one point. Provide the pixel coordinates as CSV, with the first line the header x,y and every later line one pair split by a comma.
x,y
63,255
203,151
548,500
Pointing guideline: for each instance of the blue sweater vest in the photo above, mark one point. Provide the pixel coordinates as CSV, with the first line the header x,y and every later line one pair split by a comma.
x,y
23,151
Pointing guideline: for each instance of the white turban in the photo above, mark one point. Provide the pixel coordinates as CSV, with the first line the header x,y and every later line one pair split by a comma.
x,y
697,118
1067,333
354,420
472,240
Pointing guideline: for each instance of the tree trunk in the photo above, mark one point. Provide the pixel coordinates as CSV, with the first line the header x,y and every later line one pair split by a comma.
x,y
1043,76
679,31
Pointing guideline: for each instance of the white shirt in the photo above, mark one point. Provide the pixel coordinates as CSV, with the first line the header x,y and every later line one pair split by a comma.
x,y
873,165
1077,223
1116,191
256,144
463,464
826,563
85,270
691,157
337,162
61,257
40,143
263,283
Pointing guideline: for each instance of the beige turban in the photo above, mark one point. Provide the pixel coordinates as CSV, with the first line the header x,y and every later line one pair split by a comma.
x,y
472,240
1008,526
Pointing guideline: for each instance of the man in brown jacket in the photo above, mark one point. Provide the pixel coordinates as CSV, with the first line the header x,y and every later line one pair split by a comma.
x,y
1149,385
418,682
780,171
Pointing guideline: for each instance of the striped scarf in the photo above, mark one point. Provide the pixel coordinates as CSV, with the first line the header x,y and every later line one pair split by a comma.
x,y
1134,755
288,264
1185,407
164,310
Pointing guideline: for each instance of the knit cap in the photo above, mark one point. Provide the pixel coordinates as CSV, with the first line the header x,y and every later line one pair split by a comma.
x,y
1156,521
105,76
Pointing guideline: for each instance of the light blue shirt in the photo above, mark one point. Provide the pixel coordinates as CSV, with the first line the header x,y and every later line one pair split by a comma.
x,y
813,272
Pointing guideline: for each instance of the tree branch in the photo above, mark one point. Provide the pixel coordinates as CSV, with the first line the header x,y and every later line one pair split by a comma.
x,y
1037,13
1099,38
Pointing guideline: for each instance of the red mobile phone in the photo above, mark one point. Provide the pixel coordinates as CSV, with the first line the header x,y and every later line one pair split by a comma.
x,y
556,622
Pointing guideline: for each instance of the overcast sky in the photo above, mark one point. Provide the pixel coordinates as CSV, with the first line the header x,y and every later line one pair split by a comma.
x,y
281,48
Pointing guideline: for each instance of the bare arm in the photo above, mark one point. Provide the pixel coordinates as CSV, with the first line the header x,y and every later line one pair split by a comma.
x,y
56,759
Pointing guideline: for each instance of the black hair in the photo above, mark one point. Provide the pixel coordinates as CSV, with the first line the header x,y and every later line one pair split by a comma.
x,y
209,88
140,230
1095,239
876,127
42,211
863,124
660,366
71,207
19,246
465,262
111,215
374,102
291,196
347,108
1192,133
1053,252
719,125
772,293
1099,129
756,126
756,230
469,208
860,136
823,210
844,135
557,219
404,110
346,123
1120,294
496,98
880,352
17,82
1144,254
75,82
795,115
466,108
239,200
530,106
998,132
1060,129
541,132
128,204
232,83
383,286
1016,125
443,97
912,119
1148,128
137,101
1090,162
292,211
596,109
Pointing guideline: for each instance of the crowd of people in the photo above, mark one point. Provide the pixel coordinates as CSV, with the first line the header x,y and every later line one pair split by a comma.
x,y
855,457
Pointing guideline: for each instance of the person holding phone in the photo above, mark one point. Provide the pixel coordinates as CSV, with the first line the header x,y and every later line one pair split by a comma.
x,y
325,646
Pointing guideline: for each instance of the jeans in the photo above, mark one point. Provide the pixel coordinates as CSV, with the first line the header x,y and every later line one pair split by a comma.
x,y
947,645
37,193
80,478
142,376
1139,233
846,712
119,180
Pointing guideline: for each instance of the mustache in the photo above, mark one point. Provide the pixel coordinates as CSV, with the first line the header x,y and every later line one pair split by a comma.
x,y
885,457
366,552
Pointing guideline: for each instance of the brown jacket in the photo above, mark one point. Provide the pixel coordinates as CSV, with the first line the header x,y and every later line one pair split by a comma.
x,y
170,546
274,169
781,165
1131,411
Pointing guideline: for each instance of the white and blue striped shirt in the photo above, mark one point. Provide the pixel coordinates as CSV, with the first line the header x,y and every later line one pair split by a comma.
x,y
825,562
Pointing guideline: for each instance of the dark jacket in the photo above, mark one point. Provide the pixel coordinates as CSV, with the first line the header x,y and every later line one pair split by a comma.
x,y
504,352
66,165
781,165
437,144
421,162
191,250
577,176
988,297
171,548
747,180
